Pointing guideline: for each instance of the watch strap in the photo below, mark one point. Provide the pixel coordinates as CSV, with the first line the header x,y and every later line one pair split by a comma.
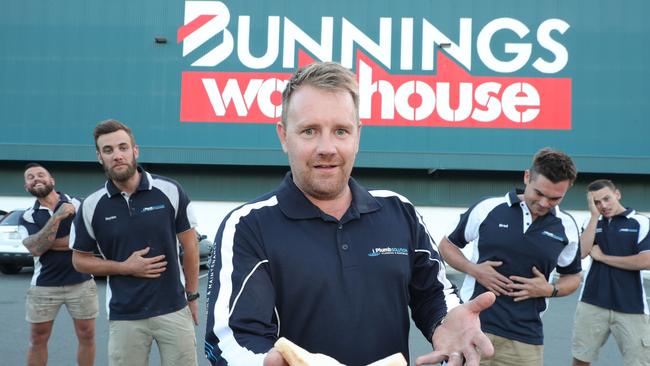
x,y
191,296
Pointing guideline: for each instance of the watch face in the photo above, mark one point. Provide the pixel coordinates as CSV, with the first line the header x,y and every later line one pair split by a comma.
x,y
192,297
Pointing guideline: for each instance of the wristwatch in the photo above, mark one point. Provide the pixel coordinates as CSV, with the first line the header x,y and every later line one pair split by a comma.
x,y
191,296
555,290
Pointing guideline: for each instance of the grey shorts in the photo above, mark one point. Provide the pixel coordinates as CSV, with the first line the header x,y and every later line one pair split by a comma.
x,y
129,341
593,325
43,302
508,352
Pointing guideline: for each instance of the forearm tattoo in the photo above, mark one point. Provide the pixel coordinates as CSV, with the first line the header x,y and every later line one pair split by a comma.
x,y
43,240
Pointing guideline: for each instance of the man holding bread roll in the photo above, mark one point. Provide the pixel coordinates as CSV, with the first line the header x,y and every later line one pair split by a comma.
x,y
326,263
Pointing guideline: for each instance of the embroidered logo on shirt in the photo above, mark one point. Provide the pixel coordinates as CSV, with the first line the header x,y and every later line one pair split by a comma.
x,y
599,230
388,251
153,208
505,226
626,230
109,218
551,235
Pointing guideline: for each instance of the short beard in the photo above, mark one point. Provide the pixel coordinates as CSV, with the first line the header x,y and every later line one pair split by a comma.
x,y
121,177
41,192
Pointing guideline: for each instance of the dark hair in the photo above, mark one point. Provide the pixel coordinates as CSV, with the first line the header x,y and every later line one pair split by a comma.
x,y
33,165
599,184
110,126
555,165
322,75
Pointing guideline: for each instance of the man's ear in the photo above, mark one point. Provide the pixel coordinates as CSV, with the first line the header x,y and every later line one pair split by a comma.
x,y
526,176
99,158
356,151
282,135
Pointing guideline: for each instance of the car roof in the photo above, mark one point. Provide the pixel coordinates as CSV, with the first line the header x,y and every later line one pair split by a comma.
x,y
11,218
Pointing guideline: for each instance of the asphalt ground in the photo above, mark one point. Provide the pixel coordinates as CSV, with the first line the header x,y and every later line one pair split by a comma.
x,y
558,323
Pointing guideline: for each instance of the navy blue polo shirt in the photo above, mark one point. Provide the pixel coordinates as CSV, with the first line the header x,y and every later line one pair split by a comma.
x,y
117,225
54,267
283,268
614,288
502,229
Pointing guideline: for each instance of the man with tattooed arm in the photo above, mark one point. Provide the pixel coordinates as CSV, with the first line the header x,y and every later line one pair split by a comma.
x,y
45,228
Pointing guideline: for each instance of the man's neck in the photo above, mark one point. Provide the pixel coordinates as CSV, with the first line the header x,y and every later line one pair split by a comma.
x,y
335,207
130,185
619,211
50,200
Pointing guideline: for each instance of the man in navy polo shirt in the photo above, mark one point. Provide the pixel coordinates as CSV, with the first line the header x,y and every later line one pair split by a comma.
x,y
136,221
613,298
45,228
518,240
325,262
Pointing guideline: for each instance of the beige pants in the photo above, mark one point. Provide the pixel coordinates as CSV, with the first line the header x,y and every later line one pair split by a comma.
x,y
43,302
593,325
513,353
129,342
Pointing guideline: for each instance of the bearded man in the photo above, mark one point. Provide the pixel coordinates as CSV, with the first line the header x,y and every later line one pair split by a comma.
x,y
135,221
45,229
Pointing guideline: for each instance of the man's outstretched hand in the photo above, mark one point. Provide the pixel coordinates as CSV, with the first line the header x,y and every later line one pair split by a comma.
x,y
274,358
459,339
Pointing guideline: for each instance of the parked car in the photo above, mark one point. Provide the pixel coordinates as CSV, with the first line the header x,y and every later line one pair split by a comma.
x,y
205,249
13,254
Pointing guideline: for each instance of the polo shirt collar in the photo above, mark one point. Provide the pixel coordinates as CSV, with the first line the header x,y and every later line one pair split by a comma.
x,y
144,185
512,198
62,198
629,212
295,205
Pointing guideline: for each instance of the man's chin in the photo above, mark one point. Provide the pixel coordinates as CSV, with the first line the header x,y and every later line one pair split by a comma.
x,y
119,177
329,192
41,192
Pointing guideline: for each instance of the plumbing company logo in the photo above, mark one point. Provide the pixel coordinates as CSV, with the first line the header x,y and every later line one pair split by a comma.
x,y
375,252
436,90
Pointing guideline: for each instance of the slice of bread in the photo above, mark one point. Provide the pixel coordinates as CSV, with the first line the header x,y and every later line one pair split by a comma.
x,y
298,356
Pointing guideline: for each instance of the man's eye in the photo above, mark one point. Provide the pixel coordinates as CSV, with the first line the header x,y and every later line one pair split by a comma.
x,y
308,131
341,132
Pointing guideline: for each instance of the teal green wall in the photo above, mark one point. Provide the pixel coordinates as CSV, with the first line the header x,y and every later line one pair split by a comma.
x,y
240,184
64,66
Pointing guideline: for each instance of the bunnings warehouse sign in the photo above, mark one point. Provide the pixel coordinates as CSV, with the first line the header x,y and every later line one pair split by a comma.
x,y
445,84
410,71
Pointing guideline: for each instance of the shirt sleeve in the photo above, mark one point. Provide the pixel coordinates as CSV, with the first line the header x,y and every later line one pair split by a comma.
x,y
28,227
242,323
82,236
644,234
185,218
569,261
432,294
467,228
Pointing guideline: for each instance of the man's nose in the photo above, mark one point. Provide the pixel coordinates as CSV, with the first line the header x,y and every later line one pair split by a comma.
x,y
118,156
326,145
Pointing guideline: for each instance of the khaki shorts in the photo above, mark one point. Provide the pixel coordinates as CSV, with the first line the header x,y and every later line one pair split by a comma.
x,y
129,341
43,302
593,325
513,353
